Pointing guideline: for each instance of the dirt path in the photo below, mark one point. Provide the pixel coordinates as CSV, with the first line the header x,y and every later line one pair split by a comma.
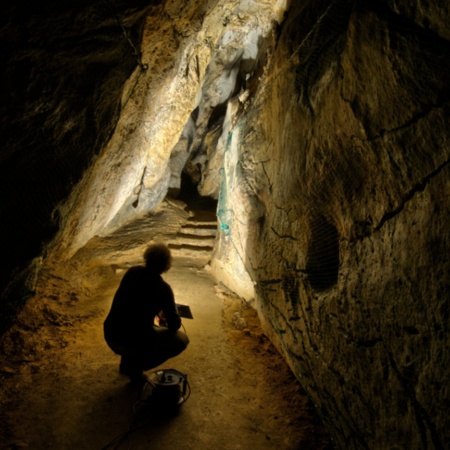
x,y
62,388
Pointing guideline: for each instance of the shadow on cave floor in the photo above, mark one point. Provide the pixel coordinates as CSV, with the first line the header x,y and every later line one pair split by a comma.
x,y
62,388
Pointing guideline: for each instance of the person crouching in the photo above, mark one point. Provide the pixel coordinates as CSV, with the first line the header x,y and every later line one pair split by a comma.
x,y
143,325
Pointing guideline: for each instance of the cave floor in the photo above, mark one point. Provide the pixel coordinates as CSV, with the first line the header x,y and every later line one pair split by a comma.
x,y
62,388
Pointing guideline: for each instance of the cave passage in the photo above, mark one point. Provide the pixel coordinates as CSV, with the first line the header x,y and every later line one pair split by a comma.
x,y
242,392
320,132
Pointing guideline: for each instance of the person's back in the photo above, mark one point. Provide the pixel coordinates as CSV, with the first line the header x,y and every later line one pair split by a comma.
x,y
129,328
141,296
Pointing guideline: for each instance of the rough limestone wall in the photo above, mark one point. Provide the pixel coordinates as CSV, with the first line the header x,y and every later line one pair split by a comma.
x,y
343,168
63,65
202,61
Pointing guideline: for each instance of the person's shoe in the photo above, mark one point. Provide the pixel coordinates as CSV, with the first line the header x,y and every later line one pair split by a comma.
x,y
130,371
139,381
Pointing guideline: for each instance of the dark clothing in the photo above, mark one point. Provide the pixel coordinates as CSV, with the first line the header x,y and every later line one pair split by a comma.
x,y
129,327
140,297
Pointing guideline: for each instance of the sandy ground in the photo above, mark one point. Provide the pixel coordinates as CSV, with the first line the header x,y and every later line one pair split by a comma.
x,y
61,388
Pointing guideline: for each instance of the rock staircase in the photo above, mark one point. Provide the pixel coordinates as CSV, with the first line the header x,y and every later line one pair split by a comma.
x,y
195,240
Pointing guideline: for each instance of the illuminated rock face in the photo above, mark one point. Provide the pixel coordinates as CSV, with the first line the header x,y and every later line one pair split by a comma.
x,y
63,67
324,140
342,167
175,114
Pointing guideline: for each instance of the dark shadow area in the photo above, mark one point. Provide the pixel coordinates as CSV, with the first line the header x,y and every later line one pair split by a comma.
x,y
149,419
194,201
322,263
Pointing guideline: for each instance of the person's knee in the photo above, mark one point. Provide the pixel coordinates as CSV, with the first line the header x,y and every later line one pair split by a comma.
x,y
182,340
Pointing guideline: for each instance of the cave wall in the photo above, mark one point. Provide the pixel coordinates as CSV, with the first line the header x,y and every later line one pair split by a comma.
x,y
63,66
324,138
202,58
342,168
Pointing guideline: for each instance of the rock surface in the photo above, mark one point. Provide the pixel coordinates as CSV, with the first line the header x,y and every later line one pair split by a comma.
x,y
61,387
346,223
63,67
323,135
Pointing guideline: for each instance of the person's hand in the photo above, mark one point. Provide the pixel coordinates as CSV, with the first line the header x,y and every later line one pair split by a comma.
x,y
162,319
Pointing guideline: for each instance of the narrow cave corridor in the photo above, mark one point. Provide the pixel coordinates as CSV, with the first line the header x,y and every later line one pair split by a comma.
x,y
243,395
294,157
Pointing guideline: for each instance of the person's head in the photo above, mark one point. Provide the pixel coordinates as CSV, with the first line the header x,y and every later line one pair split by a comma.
x,y
157,258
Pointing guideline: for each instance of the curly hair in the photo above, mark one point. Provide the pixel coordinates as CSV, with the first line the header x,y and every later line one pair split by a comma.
x,y
158,258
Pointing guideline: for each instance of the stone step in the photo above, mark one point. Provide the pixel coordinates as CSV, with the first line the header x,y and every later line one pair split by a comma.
x,y
198,231
203,216
191,251
195,240
190,247
192,222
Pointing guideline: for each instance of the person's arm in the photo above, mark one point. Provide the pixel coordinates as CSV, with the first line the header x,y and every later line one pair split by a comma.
x,y
173,319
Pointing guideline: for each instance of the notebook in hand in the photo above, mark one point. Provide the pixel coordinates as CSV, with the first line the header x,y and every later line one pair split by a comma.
x,y
184,311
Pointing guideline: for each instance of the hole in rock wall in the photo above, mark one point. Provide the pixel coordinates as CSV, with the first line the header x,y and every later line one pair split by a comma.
x,y
322,263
